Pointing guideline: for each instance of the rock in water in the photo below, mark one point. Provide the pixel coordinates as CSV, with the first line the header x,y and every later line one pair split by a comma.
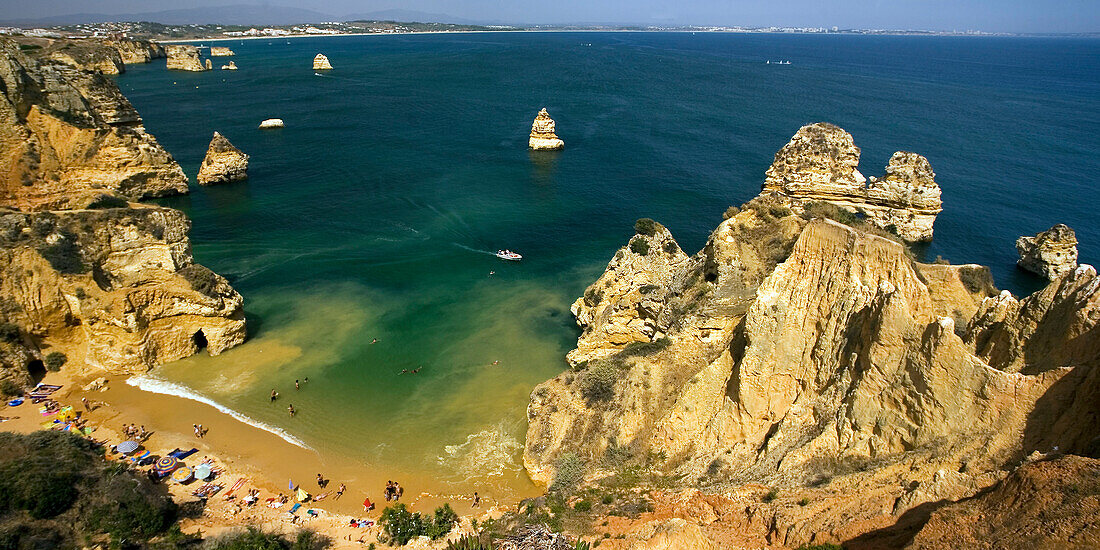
x,y
223,163
542,133
209,65
184,58
230,67
320,63
1052,253
220,51
272,123
819,164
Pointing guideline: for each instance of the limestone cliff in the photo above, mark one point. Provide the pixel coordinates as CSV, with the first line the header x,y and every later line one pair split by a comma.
x,y
320,63
223,163
67,135
542,133
137,51
110,284
115,288
1051,253
795,351
820,163
220,51
184,58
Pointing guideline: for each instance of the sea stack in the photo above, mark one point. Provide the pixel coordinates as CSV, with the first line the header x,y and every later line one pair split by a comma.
x,y
224,163
320,63
184,58
220,51
230,67
272,123
820,165
543,137
1051,253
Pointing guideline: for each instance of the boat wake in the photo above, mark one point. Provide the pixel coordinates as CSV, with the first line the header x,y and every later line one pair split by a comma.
x,y
478,250
153,384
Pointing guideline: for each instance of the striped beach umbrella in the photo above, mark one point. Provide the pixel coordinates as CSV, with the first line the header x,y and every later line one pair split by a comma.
x,y
166,465
127,447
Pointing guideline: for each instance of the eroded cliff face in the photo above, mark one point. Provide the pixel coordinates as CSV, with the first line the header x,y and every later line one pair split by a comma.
x,y
223,162
790,350
183,58
1051,253
137,51
66,135
820,164
543,137
108,283
115,288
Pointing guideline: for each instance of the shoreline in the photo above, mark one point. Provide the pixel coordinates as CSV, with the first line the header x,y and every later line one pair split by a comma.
x,y
263,458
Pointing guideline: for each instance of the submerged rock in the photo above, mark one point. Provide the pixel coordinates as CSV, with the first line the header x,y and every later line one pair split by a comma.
x,y
542,133
223,163
819,164
220,51
272,123
320,63
184,58
1051,253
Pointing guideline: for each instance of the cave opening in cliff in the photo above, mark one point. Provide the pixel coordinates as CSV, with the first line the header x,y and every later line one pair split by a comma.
x,y
200,340
37,370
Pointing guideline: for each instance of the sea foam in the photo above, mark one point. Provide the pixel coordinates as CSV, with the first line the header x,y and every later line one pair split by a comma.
x,y
153,384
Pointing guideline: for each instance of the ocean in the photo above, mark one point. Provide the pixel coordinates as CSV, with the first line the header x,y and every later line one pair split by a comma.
x,y
363,240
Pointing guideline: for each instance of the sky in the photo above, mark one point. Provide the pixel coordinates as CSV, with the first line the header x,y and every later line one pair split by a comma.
x,y
1065,16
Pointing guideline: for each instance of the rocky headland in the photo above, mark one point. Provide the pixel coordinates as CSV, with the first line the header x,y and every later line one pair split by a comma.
x,y
1051,253
137,51
223,163
88,277
803,379
320,63
221,51
820,164
185,58
542,133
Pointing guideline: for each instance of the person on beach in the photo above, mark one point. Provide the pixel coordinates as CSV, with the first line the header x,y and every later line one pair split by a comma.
x,y
375,341
389,491
296,385
143,435
340,491
367,505
477,500
290,409
398,491
321,481
274,395
87,406
198,431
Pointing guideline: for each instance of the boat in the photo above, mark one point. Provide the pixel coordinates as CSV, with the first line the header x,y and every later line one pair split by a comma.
x,y
508,255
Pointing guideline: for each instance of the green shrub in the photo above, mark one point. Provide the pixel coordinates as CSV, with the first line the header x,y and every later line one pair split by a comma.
x,y
598,384
469,542
772,495
645,348
55,360
731,212
608,499
671,248
569,474
803,501
977,280
255,539
29,47
400,526
9,389
646,226
107,201
831,211
9,332
582,506
200,278
639,246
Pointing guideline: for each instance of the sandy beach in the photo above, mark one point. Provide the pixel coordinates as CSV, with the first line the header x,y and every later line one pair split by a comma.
x,y
264,460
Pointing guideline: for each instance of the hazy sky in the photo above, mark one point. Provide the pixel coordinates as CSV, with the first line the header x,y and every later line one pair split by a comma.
x,y
988,15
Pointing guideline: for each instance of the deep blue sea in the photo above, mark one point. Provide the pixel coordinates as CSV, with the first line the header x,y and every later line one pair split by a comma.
x,y
374,212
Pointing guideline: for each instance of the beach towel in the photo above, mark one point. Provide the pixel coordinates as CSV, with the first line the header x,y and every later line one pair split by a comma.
x,y
294,508
46,388
274,505
183,454
237,485
137,459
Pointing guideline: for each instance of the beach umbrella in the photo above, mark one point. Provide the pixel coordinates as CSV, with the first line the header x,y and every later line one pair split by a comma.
x,y
302,495
291,484
127,447
166,465
182,474
202,471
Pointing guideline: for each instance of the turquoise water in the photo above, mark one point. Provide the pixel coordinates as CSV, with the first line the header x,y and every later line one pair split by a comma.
x,y
374,213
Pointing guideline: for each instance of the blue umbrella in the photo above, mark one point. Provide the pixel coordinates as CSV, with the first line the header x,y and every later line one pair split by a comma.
x,y
127,447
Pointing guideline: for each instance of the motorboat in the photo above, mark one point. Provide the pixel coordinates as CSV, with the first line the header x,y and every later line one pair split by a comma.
x,y
508,255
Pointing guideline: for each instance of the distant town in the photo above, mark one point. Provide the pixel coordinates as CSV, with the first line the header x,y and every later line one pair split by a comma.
x,y
158,31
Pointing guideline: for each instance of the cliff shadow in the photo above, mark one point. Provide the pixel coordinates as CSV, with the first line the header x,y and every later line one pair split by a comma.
x,y
1066,417
899,534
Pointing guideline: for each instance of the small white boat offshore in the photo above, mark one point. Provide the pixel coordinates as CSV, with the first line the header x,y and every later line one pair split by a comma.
x,y
508,255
